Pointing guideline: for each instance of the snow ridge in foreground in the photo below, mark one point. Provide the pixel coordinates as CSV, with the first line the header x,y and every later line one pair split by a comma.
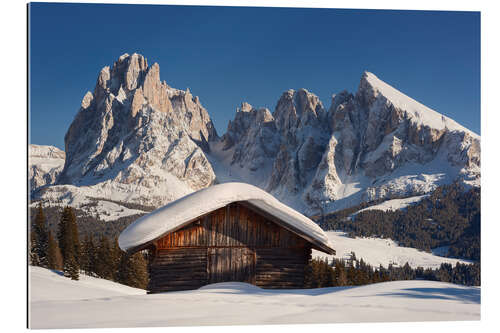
x,y
99,304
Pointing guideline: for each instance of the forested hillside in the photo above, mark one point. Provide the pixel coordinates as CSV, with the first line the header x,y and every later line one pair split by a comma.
x,y
449,217
356,272
90,224
58,244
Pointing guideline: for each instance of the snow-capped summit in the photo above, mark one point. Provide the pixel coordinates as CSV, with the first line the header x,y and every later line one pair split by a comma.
x,y
136,139
376,143
418,112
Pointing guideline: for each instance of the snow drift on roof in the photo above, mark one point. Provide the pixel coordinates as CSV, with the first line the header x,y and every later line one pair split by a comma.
x,y
175,214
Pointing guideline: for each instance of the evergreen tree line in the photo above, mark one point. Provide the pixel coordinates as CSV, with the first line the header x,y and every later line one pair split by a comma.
x,y
102,258
450,216
353,272
88,224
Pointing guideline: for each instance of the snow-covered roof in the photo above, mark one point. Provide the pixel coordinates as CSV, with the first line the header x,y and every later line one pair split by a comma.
x,y
186,209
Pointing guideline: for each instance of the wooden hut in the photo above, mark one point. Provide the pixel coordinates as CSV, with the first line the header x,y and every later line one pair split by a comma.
x,y
227,232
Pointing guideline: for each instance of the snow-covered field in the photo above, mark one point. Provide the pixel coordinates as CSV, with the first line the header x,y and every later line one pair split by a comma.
x,y
378,251
47,285
57,302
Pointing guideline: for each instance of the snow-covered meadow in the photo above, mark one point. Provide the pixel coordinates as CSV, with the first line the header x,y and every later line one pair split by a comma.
x,y
379,251
57,302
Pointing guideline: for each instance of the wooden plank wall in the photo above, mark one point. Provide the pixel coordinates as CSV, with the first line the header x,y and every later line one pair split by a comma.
x,y
231,264
233,225
178,269
281,267
233,243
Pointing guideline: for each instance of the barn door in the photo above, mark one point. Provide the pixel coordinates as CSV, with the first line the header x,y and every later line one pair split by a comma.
x,y
231,264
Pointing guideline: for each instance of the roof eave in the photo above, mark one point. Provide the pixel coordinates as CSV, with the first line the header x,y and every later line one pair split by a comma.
x,y
320,246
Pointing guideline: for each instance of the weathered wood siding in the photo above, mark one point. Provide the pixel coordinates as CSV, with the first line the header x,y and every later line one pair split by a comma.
x,y
281,267
178,269
233,243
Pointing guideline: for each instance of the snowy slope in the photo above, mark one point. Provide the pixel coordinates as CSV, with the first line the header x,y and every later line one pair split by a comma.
x,y
392,205
419,112
47,285
94,200
68,305
378,251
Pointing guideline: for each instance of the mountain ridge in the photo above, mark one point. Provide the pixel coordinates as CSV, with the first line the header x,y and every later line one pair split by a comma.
x,y
340,153
135,139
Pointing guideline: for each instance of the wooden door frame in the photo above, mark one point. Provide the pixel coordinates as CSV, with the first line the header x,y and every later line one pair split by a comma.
x,y
248,251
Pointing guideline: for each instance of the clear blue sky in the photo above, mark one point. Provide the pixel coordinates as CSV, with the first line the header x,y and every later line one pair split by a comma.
x,y
227,55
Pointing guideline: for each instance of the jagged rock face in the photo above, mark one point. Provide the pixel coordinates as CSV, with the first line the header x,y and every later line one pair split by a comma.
x,y
300,118
137,140
377,143
283,148
134,133
254,131
45,165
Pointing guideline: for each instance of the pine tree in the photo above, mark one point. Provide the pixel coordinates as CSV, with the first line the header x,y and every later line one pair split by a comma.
x,y
116,255
106,262
88,256
330,277
62,235
340,274
54,256
322,274
132,271
74,235
39,239
69,244
34,259
71,268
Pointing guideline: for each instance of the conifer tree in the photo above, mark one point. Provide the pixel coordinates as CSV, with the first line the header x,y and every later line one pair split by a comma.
x,y
105,263
54,256
321,274
69,244
330,277
132,271
116,255
341,276
74,235
63,233
88,256
33,257
39,239
71,268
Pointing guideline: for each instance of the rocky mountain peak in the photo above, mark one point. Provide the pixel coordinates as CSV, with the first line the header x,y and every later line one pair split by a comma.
x,y
247,122
45,164
367,146
129,71
135,130
298,109
146,142
245,107
367,91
